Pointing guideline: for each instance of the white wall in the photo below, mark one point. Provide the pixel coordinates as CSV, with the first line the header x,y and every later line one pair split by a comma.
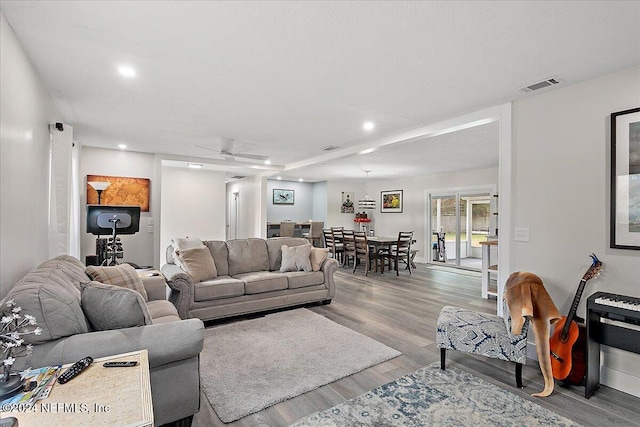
x,y
138,248
26,111
192,204
415,193
302,208
560,193
319,201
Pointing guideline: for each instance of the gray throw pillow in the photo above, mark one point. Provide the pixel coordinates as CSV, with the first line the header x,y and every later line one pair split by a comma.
x,y
113,307
296,258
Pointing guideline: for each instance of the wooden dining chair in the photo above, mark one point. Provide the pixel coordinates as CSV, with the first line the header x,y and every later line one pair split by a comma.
x,y
401,251
287,228
349,247
364,252
336,248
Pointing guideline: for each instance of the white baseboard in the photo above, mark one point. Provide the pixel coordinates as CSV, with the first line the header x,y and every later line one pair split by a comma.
x,y
613,378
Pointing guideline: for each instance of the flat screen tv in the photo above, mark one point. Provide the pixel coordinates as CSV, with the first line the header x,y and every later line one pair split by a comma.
x,y
100,219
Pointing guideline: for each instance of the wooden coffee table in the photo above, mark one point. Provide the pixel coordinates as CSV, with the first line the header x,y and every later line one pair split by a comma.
x,y
99,396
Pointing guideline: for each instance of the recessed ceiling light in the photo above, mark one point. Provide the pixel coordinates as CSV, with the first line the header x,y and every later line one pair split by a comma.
x,y
279,177
300,179
126,71
194,165
368,126
122,146
267,162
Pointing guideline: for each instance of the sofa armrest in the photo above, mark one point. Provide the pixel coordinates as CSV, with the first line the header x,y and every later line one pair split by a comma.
x,y
181,284
329,267
156,287
165,343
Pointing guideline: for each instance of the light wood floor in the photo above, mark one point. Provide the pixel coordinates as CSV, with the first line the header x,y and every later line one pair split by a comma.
x,y
401,312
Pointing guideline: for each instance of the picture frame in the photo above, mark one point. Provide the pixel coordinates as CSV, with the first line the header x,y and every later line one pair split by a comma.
x,y
625,179
391,201
121,191
283,197
347,205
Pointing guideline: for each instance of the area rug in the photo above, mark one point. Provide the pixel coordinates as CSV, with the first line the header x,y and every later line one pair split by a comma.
x,y
249,365
433,397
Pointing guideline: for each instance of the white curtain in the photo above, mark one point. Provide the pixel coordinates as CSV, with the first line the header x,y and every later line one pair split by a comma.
x,y
64,193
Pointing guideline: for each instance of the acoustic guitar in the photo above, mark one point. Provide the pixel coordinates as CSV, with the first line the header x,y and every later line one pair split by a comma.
x,y
568,342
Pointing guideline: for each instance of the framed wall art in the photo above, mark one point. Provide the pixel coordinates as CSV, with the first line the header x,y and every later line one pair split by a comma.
x,y
625,179
391,201
283,197
118,191
347,202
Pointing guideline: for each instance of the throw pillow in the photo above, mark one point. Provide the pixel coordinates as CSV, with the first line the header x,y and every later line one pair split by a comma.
x,y
296,258
119,275
318,256
198,262
113,307
182,243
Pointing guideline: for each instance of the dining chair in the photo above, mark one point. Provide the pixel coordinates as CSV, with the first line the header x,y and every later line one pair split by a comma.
x,y
287,228
349,247
364,252
336,248
401,251
315,233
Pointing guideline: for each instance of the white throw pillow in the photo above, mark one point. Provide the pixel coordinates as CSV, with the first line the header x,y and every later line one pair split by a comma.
x,y
182,243
296,258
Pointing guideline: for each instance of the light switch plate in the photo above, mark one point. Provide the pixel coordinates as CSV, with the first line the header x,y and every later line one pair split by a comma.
x,y
521,235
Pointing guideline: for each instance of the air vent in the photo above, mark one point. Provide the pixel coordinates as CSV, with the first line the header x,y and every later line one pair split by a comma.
x,y
554,80
238,177
330,148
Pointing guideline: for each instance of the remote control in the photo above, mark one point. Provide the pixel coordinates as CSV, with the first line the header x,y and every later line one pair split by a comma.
x,y
75,369
120,364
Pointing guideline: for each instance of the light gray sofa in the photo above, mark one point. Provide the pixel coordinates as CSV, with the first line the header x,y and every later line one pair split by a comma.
x,y
52,292
248,280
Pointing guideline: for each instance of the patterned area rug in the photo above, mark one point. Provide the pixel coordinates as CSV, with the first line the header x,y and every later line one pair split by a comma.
x,y
433,397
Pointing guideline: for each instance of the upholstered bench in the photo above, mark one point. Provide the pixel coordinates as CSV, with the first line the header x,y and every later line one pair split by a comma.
x,y
483,334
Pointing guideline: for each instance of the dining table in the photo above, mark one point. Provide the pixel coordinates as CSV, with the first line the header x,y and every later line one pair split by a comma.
x,y
382,242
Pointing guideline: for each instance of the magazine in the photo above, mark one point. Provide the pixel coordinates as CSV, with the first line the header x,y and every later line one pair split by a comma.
x,y
39,383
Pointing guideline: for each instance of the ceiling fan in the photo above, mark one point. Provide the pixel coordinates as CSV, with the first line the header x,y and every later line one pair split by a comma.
x,y
226,151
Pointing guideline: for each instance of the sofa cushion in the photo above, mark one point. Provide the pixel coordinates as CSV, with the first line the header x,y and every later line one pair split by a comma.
x,y
247,255
317,257
71,267
48,295
161,310
220,254
296,258
113,307
274,247
300,279
220,287
263,281
198,262
118,275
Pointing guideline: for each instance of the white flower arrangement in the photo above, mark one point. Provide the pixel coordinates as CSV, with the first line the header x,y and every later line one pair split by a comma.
x,y
13,327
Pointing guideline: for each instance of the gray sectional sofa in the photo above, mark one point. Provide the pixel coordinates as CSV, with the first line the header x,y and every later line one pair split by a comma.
x,y
248,280
55,294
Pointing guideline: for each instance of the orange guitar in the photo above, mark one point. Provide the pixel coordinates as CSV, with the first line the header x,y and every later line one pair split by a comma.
x,y
568,342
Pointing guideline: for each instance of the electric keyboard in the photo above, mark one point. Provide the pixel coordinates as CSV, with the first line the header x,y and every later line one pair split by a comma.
x,y
615,307
620,308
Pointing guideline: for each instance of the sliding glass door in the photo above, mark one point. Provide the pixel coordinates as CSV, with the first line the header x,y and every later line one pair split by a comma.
x,y
459,221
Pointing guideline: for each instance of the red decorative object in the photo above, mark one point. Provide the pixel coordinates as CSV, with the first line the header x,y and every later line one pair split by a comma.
x,y
361,220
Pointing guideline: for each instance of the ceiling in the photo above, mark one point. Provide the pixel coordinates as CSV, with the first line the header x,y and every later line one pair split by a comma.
x,y
287,79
